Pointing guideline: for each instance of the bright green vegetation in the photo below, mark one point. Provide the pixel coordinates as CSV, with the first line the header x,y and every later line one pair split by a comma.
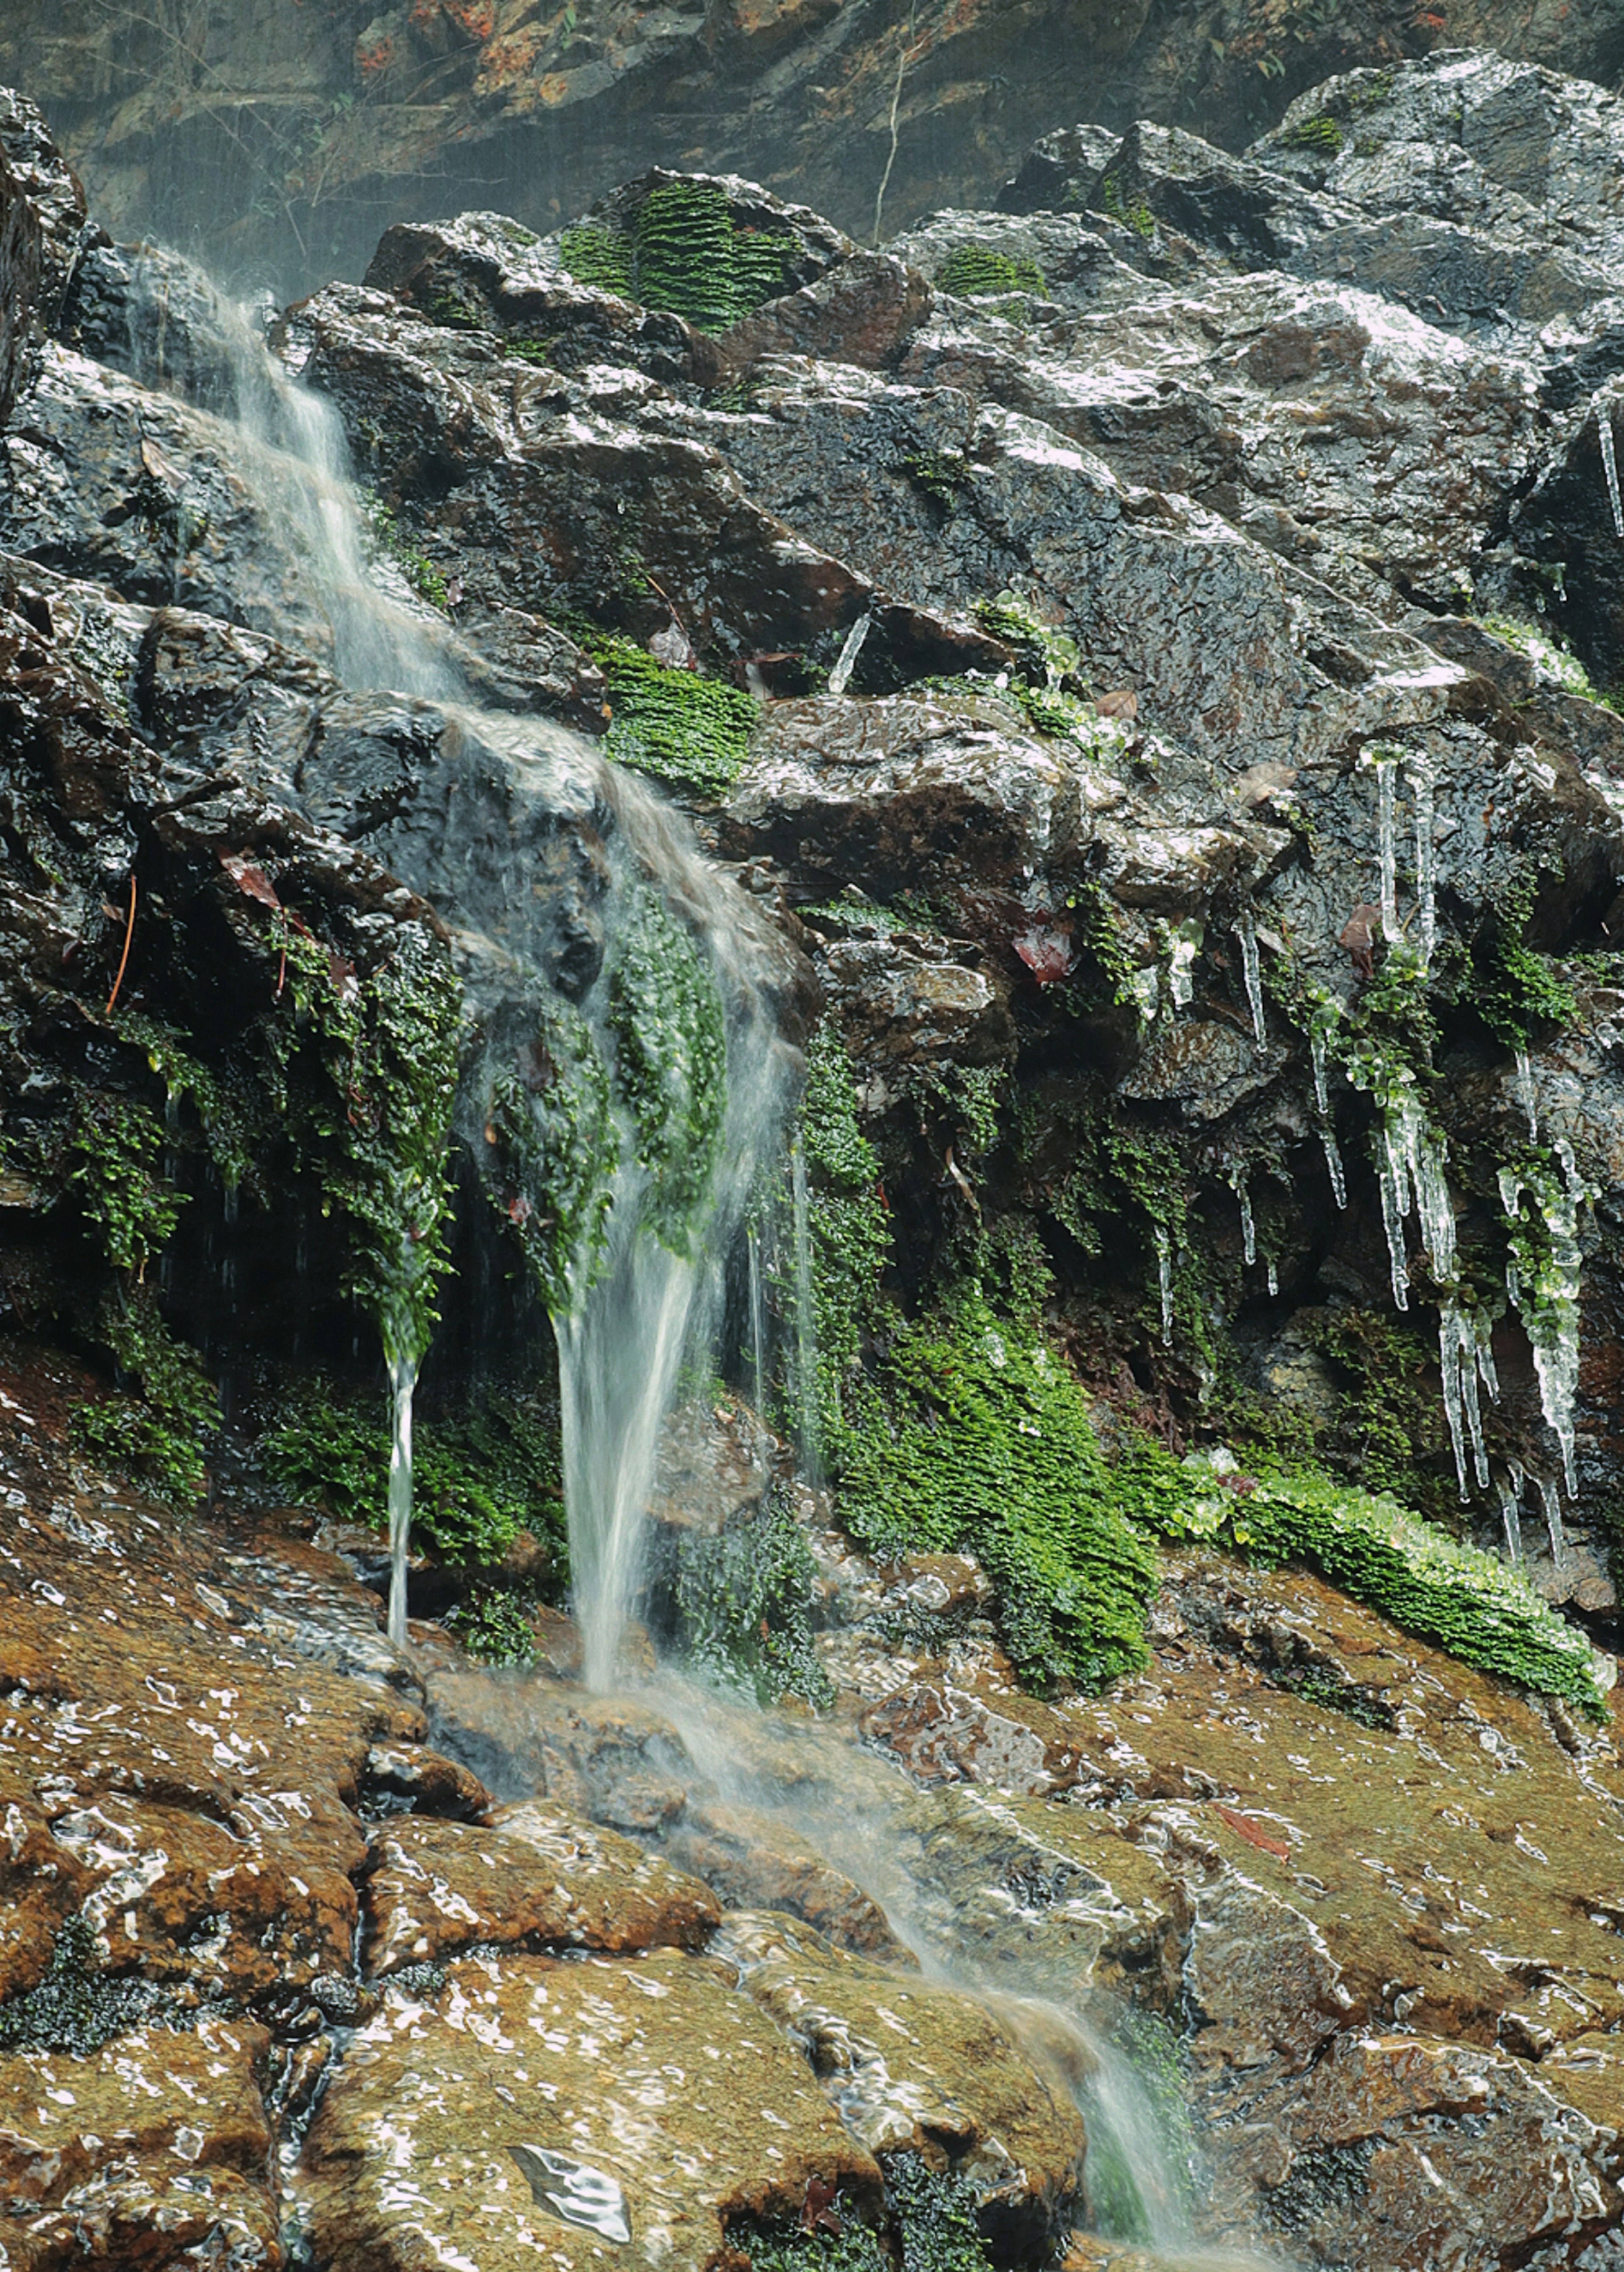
x,y
556,1146
1473,1604
478,1479
671,1064
1133,212
740,1602
978,270
493,1624
600,259
77,2009
1515,990
933,2214
383,1127
1050,686
675,724
968,1434
114,1146
524,350
156,1438
1552,660
938,474
1322,133
684,252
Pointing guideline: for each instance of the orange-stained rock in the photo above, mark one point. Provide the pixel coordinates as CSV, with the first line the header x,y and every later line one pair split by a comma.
x,y
155,2151
689,2107
532,1875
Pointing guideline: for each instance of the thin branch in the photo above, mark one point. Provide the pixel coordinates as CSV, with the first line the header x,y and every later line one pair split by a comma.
x,y
904,59
124,957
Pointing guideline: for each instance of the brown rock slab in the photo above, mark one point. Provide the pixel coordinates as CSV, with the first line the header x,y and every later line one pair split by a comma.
x,y
914,2066
753,1862
480,2128
153,2152
534,1874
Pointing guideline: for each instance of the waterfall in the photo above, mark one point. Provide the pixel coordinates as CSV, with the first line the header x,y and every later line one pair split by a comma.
x,y
1245,932
672,1055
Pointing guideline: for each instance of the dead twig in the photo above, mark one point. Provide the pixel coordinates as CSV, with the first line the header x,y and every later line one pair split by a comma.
x,y
124,957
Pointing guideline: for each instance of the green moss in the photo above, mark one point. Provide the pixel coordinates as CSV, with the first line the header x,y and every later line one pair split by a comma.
x,y
1515,989
1321,133
479,1477
158,1436
1388,1422
671,1064
684,252
675,724
77,2009
1475,1606
114,1146
524,350
737,1605
932,2215
231,1119
1553,661
599,258
979,271
967,1434
1133,212
554,1148
493,1624
427,581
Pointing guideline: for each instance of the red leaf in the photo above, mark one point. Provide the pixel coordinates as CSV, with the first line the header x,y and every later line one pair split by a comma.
x,y
1254,1832
251,881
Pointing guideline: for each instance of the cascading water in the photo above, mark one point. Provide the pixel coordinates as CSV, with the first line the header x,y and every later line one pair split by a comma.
x,y
632,1299
1164,1272
1602,407
1387,828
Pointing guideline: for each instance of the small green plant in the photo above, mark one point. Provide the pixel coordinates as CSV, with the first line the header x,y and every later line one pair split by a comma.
x,y
427,581
1515,989
849,1224
1132,213
980,270
113,1149
937,474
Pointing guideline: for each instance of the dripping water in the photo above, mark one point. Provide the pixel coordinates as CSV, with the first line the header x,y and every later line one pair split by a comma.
x,y
1387,824
840,676
1242,1190
402,1381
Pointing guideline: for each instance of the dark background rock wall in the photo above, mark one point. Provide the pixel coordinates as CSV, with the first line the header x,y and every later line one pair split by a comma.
x,y
281,137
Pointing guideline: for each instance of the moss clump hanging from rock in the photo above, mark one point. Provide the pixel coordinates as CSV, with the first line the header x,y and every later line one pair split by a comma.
x,y
671,1065
549,1124
736,1604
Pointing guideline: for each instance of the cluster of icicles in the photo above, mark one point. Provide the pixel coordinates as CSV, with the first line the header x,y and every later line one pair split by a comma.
x,y
1412,1181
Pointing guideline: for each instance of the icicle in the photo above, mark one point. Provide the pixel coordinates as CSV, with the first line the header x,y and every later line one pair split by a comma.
x,y
1181,972
1274,1277
1319,1053
1247,933
1248,1229
1333,1162
839,677
1392,1177
1164,1270
1527,1095
1425,855
1486,1373
1452,1330
1551,1494
1509,1495
1387,823
1549,1307
1609,462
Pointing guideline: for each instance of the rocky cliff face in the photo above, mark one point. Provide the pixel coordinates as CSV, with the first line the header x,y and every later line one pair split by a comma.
x,y
288,134
1136,654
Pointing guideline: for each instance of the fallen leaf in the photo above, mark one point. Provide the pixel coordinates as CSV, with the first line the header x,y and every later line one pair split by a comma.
x,y
1254,1832
251,881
